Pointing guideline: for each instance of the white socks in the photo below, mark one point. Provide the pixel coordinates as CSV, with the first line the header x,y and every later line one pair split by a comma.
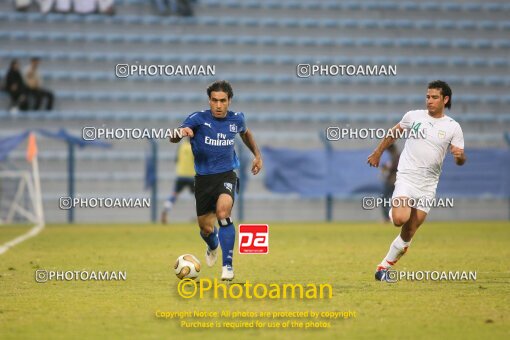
x,y
168,205
397,249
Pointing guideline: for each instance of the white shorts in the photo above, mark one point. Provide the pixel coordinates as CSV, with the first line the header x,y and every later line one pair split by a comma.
x,y
420,197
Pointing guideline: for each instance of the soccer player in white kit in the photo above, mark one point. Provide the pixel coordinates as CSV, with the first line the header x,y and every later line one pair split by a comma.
x,y
419,167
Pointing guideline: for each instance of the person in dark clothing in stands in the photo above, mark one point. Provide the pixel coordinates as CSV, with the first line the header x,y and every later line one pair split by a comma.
x,y
390,175
15,86
180,7
35,88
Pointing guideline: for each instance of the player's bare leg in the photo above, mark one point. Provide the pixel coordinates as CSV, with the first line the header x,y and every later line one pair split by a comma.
x,y
401,243
400,215
206,223
210,235
400,211
169,203
409,229
227,234
224,206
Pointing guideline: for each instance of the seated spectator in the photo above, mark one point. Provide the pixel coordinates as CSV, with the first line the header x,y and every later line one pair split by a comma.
x,y
22,5
179,7
63,6
106,7
163,7
15,86
35,90
91,6
84,6
45,6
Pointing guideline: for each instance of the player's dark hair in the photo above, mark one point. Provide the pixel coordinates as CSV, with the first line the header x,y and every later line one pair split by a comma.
x,y
220,86
445,90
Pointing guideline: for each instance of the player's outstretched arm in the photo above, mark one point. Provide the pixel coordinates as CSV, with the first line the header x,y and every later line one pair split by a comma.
x,y
185,132
375,156
249,141
458,155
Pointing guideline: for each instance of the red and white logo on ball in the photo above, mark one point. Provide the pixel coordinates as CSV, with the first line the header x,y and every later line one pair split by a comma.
x,y
253,239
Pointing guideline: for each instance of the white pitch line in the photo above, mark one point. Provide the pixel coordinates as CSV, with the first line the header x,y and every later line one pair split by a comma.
x,y
31,233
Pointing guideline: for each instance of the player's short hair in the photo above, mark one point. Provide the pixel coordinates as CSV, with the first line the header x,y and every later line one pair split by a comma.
x,y
445,90
220,86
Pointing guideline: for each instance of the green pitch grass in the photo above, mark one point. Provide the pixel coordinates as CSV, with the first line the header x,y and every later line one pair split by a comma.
x,y
342,254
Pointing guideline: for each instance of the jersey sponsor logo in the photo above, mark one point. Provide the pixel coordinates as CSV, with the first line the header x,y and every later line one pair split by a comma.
x,y
233,128
253,239
218,142
228,186
441,134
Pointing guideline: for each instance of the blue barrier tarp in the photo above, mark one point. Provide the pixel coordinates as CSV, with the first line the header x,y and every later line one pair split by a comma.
x,y
10,143
345,173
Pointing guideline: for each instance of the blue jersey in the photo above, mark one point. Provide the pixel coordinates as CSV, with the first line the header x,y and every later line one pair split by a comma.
x,y
213,141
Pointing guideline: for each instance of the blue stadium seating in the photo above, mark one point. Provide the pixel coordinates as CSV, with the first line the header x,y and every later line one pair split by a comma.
x,y
256,44
264,22
461,61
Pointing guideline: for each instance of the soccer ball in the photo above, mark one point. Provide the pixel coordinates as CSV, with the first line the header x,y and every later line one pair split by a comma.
x,y
187,266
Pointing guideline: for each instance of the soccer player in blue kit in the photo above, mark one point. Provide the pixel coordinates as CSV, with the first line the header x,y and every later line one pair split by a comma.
x,y
212,133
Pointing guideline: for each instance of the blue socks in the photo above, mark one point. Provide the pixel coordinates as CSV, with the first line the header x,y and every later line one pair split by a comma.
x,y
211,239
227,237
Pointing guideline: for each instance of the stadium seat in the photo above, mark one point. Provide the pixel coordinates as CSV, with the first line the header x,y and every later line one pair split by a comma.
x,y
262,43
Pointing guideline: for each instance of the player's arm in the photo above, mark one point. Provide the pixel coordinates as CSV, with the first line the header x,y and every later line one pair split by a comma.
x,y
375,156
458,155
457,146
184,132
186,128
249,141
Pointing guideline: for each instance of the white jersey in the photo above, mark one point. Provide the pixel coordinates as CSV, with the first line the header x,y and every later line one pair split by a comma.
x,y
422,159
